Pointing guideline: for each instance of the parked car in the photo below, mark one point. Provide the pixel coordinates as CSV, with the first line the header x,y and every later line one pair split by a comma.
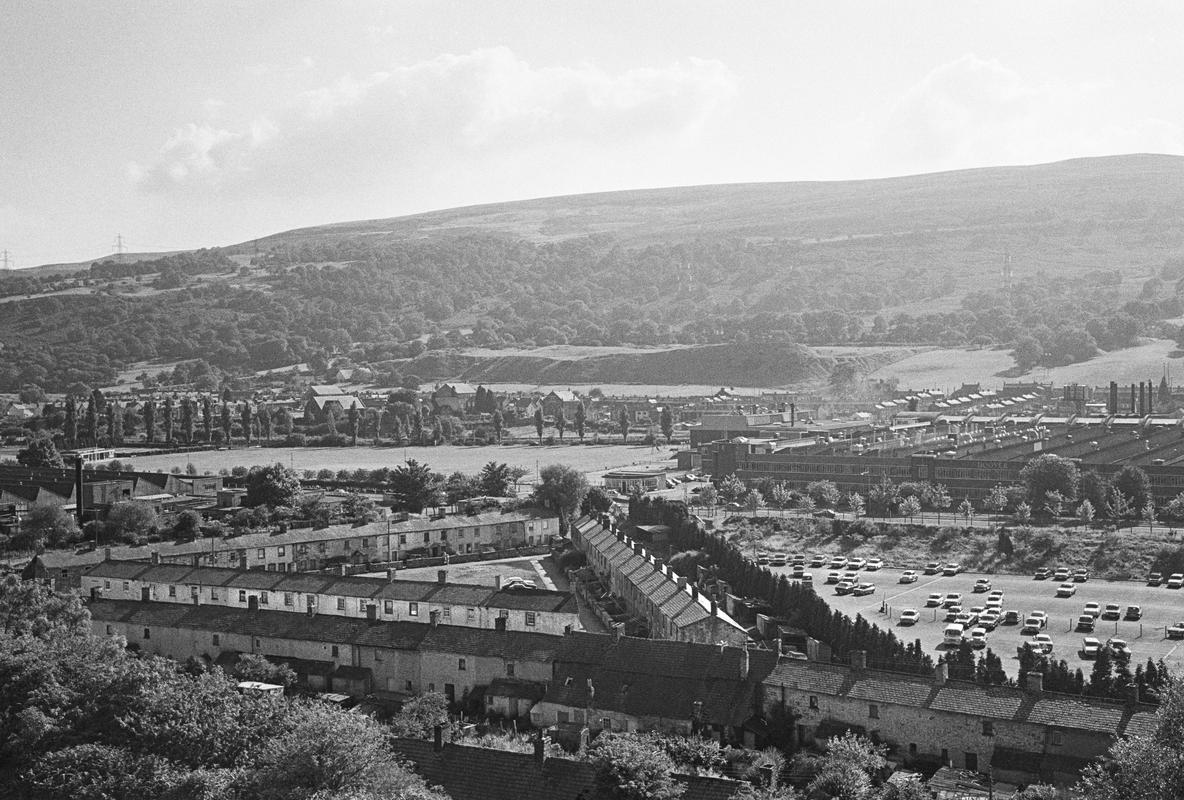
x,y
1154,579
1080,575
934,600
952,613
853,577
1066,590
952,599
1112,611
864,589
1032,625
1011,617
1133,613
908,576
833,577
951,569
838,562
874,564
989,620
1118,645
777,560
1176,631
856,563
797,572
824,513
910,616
1085,623
1176,580
762,558
982,585
844,587
978,638
1062,574
1043,642
1090,647
932,568
1093,609
797,558
1041,614
1043,573
817,560
966,619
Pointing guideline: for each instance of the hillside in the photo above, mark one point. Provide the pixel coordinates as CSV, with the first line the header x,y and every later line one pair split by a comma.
x,y
1096,247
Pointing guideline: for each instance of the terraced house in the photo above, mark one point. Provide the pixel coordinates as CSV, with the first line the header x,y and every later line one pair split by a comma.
x,y
388,599
651,590
332,653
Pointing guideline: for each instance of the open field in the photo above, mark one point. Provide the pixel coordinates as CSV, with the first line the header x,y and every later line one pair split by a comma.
x,y
566,352
948,368
591,459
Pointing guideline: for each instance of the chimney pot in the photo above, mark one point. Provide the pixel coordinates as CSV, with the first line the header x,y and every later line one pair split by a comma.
x,y
1035,682
617,628
441,576
714,608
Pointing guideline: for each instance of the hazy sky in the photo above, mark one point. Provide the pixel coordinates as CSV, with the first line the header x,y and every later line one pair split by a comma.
x,y
186,124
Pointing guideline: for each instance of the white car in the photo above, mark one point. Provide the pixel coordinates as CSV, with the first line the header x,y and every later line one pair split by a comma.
x,y
1118,646
1042,642
978,638
874,564
908,576
910,616
952,599
1176,580
856,563
1090,647
1066,590
935,599
1093,609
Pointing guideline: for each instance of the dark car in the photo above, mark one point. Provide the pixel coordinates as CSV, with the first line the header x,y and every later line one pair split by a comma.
x,y
1043,573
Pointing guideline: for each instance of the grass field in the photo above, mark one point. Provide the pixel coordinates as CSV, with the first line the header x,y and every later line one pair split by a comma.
x,y
950,367
591,459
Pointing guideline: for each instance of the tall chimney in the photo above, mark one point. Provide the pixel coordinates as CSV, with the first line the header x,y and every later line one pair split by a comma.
x,y
1112,407
793,414
1133,400
694,592
1035,682
617,628
1142,399
441,576
1150,397
682,582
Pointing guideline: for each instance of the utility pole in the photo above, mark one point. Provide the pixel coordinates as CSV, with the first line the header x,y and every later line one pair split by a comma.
x,y
4,256
118,247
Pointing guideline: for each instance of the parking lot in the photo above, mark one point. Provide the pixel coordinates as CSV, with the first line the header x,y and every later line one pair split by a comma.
x,y
1162,607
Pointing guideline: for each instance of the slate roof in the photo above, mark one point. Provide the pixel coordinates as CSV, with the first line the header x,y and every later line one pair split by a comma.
x,y
1141,724
117,570
891,689
1064,711
809,677
509,645
475,773
977,700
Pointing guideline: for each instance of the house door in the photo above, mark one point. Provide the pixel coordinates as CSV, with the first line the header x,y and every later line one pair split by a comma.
x,y
972,762
513,708
144,596
450,692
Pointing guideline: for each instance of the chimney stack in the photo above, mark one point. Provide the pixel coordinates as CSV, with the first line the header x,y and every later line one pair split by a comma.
x,y
343,570
1133,406
617,628
391,574
694,592
1112,405
858,659
714,608
1035,682
682,583
497,582
1142,399
106,553
441,576
942,674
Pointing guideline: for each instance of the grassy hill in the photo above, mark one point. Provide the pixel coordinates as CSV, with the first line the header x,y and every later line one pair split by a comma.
x,y
708,284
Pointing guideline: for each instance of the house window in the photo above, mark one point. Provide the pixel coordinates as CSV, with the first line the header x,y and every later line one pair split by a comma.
x,y
913,749
320,547
813,701
873,711
334,651
365,542
345,546
402,538
287,598
126,586
407,686
341,604
377,654
217,640
280,551
988,728
413,609
510,669
388,606
972,762
147,633
606,724
427,536
172,591
447,612
382,542
1056,738
106,584
431,687
471,614
530,618
261,552
460,665
562,716
213,593
361,604
257,642
242,595
108,630
263,598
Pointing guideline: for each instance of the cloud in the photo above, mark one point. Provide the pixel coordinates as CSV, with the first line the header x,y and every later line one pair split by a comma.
x,y
977,112
437,114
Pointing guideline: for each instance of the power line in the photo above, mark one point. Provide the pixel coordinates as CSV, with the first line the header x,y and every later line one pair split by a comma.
x,y
4,257
119,247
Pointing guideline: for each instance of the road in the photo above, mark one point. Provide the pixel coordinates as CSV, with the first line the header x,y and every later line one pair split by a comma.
x,y
1161,607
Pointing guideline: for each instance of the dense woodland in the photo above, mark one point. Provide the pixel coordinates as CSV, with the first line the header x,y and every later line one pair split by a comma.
x,y
386,302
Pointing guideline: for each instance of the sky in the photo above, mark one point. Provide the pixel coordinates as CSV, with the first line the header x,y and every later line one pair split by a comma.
x,y
179,125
